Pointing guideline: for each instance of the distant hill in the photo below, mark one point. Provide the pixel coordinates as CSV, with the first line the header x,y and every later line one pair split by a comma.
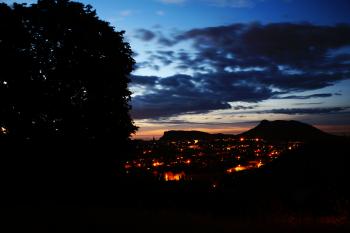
x,y
286,131
270,130
191,135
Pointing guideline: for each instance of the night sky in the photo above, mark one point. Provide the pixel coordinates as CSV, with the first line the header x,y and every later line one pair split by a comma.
x,y
224,65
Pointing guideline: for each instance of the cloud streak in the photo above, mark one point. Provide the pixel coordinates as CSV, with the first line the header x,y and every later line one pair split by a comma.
x,y
304,97
300,111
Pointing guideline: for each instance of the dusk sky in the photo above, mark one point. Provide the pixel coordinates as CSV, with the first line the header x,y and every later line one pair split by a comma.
x,y
224,65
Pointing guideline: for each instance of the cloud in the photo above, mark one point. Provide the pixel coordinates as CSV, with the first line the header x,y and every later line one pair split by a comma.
x,y
295,111
144,80
292,45
241,107
18,1
303,97
306,103
256,44
144,35
245,62
180,94
289,56
165,57
165,41
216,123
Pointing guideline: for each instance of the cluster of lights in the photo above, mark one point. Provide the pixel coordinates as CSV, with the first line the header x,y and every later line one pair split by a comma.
x,y
233,155
171,176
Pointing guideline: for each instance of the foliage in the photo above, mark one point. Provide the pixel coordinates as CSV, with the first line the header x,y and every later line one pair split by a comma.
x,y
64,100
64,75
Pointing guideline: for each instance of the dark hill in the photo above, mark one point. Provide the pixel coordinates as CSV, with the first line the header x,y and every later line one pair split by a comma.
x,y
184,135
286,131
269,130
314,177
175,135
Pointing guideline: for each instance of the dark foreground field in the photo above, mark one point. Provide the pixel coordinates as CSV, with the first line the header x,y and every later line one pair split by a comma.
x,y
306,191
48,217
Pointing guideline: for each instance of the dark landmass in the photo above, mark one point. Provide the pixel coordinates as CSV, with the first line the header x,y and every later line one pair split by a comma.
x,y
175,135
286,130
308,180
303,190
268,130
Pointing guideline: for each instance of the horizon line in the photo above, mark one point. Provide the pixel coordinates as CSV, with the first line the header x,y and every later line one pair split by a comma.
x,y
339,130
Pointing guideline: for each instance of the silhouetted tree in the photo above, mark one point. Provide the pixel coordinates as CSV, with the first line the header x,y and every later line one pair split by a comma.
x,y
64,74
63,81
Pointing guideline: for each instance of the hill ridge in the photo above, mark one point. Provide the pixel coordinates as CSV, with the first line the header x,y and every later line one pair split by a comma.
x,y
277,130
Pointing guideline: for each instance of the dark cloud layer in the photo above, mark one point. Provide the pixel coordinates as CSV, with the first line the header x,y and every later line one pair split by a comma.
x,y
244,62
295,111
180,94
303,97
241,107
144,34
281,43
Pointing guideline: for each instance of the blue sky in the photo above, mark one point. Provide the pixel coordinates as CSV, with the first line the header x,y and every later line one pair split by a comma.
x,y
193,73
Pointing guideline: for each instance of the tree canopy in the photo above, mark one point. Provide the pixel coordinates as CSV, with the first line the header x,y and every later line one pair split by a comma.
x,y
64,75
64,99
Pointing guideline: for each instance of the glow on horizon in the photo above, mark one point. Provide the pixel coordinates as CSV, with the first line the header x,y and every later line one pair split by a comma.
x,y
157,133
